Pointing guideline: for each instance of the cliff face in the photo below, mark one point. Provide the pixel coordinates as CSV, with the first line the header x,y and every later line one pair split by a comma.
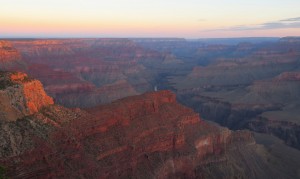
x,y
10,58
20,96
7,52
268,107
284,128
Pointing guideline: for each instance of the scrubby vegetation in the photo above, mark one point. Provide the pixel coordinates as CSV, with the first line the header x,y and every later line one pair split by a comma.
x,y
5,83
3,173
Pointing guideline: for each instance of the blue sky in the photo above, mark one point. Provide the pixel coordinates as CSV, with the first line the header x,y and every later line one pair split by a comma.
x,y
155,18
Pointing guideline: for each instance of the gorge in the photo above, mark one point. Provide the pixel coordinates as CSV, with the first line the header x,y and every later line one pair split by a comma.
x,y
112,109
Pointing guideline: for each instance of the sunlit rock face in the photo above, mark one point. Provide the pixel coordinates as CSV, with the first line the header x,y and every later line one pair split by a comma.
x,y
20,96
7,52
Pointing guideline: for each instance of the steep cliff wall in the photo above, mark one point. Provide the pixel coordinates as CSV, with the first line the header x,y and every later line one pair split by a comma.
x,y
20,96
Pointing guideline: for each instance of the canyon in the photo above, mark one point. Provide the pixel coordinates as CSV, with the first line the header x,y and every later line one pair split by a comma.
x,y
114,125
259,92
145,136
97,70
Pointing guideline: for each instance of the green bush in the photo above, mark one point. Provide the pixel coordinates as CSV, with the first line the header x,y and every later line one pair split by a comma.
x,y
3,173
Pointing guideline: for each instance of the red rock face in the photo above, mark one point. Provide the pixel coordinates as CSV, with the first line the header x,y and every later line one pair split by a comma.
x,y
143,136
35,96
10,58
21,96
7,51
17,77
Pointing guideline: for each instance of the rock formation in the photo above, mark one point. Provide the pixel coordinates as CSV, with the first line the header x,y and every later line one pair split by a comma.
x,y
238,85
146,136
10,58
20,96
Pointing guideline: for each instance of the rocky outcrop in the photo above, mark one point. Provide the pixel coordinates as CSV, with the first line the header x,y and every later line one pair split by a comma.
x,y
20,96
26,134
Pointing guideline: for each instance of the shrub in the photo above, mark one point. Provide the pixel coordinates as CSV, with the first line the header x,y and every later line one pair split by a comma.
x,y
3,173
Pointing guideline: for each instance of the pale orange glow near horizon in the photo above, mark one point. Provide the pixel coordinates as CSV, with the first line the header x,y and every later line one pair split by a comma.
x,y
141,18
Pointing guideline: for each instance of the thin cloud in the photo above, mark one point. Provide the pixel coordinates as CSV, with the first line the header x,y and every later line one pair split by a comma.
x,y
291,19
281,24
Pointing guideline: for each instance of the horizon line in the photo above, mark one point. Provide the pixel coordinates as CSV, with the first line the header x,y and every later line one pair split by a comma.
x,y
110,37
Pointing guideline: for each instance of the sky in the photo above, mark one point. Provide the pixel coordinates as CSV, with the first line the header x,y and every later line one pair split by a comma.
x,y
149,18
